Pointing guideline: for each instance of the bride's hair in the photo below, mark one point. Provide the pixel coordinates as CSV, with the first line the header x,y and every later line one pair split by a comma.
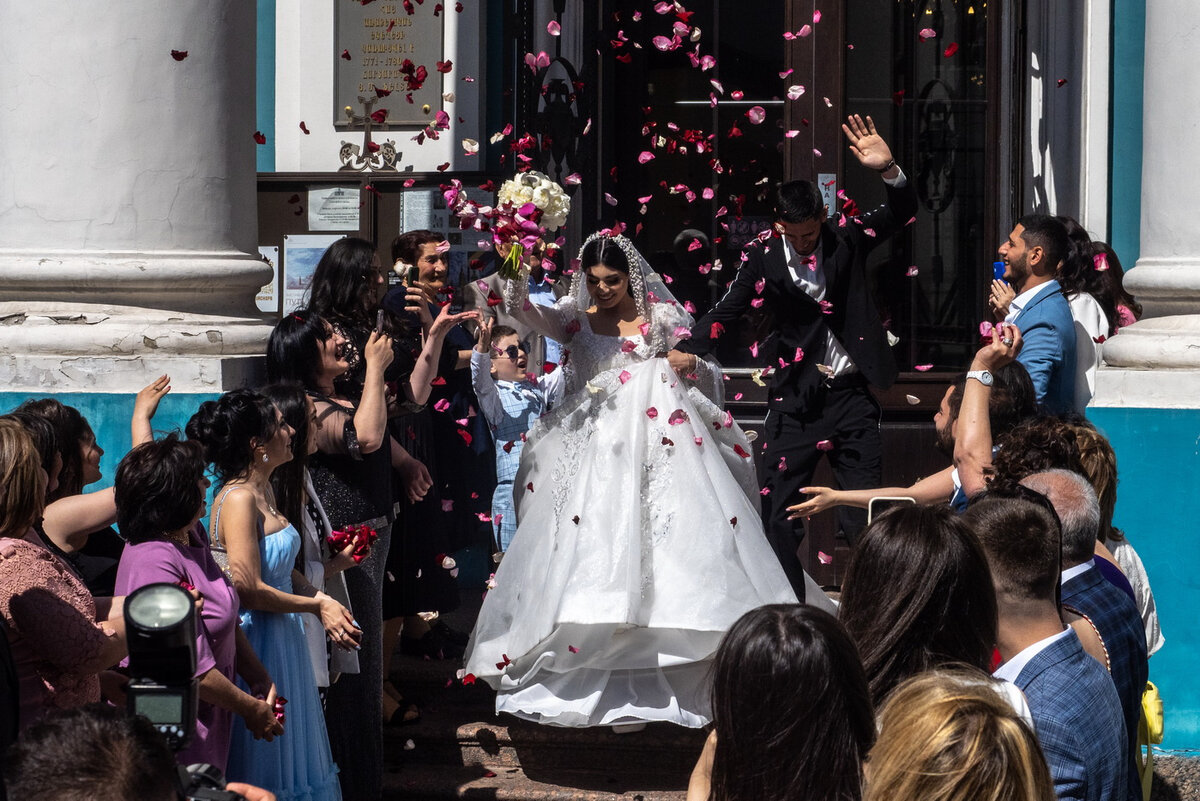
x,y
604,250
791,709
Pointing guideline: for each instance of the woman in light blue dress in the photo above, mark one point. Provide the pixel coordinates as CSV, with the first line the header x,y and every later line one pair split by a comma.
x,y
245,439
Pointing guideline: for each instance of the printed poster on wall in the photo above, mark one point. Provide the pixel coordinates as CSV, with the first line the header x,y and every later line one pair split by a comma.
x,y
333,208
268,297
301,252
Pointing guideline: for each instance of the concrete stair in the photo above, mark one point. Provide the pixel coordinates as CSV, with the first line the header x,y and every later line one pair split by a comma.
x,y
461,749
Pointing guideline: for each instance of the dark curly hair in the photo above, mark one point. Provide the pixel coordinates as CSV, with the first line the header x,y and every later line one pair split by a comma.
x,y
1078,272
72,431
343,284
1034,445
918,595
791,710
157,487
229,427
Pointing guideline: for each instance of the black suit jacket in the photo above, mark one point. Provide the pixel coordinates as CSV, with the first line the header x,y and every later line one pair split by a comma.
x,y
800,321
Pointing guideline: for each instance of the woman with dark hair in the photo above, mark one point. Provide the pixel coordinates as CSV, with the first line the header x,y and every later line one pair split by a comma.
x,y
918,595
60,636
77,525
297,500
1112,284
1093,310
351,474
638,530
160,489
792,718
245,439
45,440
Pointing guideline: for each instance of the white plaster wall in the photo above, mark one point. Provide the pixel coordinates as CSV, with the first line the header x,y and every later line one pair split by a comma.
x,y
107,143
304,53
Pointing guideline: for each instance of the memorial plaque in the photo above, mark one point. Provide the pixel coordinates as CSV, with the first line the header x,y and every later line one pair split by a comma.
x,y
381,46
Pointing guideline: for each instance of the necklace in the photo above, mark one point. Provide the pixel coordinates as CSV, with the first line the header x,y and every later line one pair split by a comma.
x,y
183,537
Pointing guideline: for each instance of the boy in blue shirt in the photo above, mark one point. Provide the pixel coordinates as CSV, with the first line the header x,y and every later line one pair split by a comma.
x,y
510,400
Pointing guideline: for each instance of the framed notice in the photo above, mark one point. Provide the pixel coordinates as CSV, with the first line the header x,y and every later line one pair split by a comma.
x,y
333,208
301,252
268,296
382,46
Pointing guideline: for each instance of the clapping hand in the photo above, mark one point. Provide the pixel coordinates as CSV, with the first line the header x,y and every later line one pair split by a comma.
x,y
866,144
1000,298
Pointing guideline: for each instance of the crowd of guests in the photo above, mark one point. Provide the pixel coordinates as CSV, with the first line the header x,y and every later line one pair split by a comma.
x,y
991,642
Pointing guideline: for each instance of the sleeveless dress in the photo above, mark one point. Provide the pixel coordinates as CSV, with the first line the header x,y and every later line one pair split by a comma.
x,y
638,539
298,765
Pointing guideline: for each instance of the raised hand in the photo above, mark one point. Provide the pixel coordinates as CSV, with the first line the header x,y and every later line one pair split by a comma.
x,y
1002,350
483,337
866,144
378,351
1000,298
445,320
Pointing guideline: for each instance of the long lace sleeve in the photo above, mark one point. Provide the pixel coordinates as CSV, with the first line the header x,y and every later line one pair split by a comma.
x,y
558,322
670,327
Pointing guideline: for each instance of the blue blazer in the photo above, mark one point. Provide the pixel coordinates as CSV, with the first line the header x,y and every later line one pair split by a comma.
x,y
1119,624
1048,330
1077,715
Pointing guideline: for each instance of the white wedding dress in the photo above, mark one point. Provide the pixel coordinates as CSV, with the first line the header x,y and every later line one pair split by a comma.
x,y
639,541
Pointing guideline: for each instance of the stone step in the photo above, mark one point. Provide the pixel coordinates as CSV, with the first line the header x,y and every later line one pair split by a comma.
x,y
423,782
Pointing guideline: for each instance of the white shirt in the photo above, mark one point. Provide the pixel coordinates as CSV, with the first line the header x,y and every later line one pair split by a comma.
x,y
1018,304
810,277
1011,669
1091,323
1078,570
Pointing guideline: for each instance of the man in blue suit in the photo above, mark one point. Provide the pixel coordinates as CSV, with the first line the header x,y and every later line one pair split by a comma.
x,y
1084,590
1075,707
1031,257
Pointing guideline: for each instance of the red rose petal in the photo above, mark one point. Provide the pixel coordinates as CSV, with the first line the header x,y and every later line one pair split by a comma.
x,y
179,55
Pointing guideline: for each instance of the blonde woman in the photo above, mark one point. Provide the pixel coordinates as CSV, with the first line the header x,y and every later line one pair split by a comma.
x,y
949,735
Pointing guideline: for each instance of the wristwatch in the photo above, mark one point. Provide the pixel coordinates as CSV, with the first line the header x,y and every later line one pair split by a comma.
x,y
982,376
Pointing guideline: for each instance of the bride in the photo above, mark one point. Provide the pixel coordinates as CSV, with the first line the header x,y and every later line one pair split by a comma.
x,y
639,540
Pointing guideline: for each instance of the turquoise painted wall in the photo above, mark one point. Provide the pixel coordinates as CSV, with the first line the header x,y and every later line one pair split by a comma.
x,y
1128,42
264,67
1158,457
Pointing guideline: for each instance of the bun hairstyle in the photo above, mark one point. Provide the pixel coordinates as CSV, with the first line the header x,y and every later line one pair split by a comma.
x,y
230,427
294,349
157,487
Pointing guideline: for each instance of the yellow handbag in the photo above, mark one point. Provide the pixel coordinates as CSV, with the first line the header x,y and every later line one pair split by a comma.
x,y
1150,733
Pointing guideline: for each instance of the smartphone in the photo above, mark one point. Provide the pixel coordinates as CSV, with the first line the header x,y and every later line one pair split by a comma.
x,y
379,322
881,504
998,270
413,275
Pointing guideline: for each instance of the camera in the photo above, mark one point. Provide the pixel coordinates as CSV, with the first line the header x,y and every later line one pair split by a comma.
x,y
160,625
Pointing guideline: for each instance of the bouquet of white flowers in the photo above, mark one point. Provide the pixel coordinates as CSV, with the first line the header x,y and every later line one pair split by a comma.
x,y
528,205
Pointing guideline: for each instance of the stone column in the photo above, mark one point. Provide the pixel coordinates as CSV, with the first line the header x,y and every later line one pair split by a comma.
x,y
1155,363
127,195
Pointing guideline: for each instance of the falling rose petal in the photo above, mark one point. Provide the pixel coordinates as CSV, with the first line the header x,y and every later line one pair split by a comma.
x,y
609,199
179,55
782,464
553,28
824,445
484,517
826,307
737,94
754,349
913,400
470,146
707,193
645,327
628,346
799,356
911,272
574,179
921,368
587,127
828,102
816,152
664,44
740,451
926,33
409,745
715,330
795,92
529,486
951,50
645,156
717,86
652,413
572,649
346,55
756,114
260,137
898,97
448,563
733,522
816,16
447,505
624,376
805,30
756,303
707,63
1100,262
442,405
698,440
824,558
304,128
1062,82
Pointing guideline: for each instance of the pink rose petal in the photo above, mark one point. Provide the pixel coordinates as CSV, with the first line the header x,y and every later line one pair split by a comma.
x,y
824,445
921,368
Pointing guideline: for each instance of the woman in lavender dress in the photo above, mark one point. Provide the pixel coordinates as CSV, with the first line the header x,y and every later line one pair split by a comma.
x,y
160,488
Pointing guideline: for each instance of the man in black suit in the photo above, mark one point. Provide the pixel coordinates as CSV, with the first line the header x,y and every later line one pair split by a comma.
x,y
829,347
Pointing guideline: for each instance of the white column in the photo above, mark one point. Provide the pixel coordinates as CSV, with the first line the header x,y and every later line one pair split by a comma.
x,y
127,194
1155,363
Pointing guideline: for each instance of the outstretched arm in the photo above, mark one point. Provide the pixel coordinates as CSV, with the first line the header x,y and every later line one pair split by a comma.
x,y
933,489
729,308
973,437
